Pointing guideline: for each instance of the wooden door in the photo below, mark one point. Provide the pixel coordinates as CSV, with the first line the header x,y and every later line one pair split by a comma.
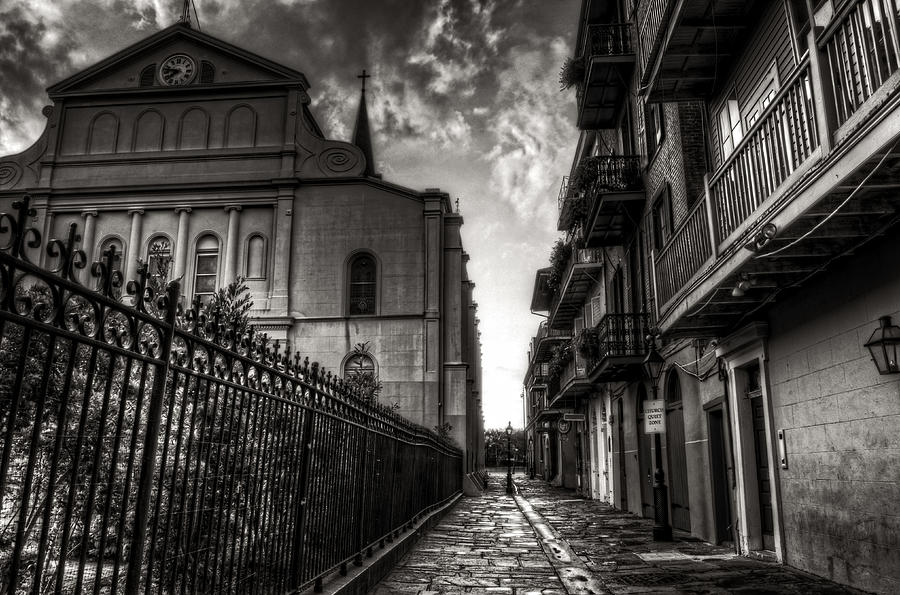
x,y
620,443
764,484
645,459
677,476
719,476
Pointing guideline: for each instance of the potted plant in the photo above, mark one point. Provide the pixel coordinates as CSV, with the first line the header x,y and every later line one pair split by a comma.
x,y
562,355
571,73
587,342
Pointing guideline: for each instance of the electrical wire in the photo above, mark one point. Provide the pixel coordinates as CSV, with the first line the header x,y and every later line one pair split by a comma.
x,y
836,209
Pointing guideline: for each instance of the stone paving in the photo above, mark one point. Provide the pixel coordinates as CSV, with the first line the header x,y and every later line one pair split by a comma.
x,y
545,540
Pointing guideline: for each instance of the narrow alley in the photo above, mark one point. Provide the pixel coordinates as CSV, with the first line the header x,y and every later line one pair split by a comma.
x,y
545,540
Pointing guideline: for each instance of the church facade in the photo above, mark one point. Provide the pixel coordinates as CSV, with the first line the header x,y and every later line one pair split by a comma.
x,y
210,155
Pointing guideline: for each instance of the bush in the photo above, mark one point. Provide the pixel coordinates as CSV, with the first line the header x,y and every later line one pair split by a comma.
x,y
571,73
559,260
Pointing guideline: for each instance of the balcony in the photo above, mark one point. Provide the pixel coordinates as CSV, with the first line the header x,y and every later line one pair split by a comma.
x,y
571,384
608,54
686,46
601,201
576,281
546,339
615,348
813,178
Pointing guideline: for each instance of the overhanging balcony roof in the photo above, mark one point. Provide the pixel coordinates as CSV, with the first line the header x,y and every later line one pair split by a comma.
x,y
608,54
687,47
617,199
617,347
541,296
580,276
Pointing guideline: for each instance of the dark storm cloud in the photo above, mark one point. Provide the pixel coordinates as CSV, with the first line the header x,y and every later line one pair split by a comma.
x,y
26,65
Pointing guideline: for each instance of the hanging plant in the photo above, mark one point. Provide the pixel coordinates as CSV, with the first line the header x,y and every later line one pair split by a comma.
x,y
559,260
587,342
562,355
571,73
585,173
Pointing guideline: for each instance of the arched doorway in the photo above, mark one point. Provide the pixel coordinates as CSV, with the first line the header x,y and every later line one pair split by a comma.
x,y
677,476
645,461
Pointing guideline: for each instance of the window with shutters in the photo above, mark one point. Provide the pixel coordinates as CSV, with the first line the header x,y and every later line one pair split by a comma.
x,y
730,130
148,76
207,72
362,286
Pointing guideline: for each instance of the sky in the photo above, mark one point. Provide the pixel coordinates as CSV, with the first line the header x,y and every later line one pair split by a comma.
x,y
464,97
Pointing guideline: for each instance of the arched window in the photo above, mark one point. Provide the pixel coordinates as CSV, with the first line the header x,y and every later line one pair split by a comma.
x,y
117,256
103,133
206,267
207,72
256,257
148,131
148,76
359,364
362,285
159,257
194,130
241,127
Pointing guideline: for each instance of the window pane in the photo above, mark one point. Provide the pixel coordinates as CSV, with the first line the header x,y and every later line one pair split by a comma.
x,y
204,284
206,264
362,285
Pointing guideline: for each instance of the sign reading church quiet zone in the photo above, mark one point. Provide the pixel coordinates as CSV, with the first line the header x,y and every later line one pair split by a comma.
x,y
655,417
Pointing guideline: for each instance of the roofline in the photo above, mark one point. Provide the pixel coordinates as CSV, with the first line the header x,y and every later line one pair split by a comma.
x,y
171,31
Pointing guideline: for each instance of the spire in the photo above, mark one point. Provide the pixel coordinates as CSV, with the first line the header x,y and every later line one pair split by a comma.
x,y
361,135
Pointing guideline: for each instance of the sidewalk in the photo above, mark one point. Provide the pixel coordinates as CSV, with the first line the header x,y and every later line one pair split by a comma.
x,y
545,540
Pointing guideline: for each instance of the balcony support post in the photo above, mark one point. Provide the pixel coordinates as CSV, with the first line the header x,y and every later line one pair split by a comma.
x,y
711,216
823,92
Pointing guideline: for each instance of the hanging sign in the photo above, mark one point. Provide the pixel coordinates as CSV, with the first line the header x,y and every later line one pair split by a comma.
x,y
579,417
655,417
563,426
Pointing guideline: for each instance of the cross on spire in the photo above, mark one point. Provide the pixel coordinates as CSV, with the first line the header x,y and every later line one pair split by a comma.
x,y
364,76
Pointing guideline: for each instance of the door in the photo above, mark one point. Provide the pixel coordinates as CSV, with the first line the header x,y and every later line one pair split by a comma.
x,y
620,438
719,476
645,460
764,484
678,484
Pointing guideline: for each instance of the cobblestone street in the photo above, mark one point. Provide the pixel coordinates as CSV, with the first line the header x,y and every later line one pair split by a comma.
x,y
545,540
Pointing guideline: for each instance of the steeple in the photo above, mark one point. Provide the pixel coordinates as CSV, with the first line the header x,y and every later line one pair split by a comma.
x,y
361,135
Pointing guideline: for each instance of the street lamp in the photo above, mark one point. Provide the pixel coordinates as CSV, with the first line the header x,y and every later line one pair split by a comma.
x,y
653,367
509,431
883,344
531,453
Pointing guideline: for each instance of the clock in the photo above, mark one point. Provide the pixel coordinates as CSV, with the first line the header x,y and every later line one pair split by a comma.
x,y
177,70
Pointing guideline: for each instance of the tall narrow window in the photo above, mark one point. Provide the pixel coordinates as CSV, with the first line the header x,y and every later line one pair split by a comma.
x,y
730,129
362,285
256,257
206,267
656,127
159,257
662,219
207,72
117,255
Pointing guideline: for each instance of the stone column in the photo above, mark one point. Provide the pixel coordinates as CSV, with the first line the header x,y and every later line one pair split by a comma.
x,y
454,367
87,242
279,296
133,250
181,243
231,244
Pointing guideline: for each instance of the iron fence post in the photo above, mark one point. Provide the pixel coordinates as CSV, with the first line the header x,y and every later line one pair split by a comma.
x,y
148,464
297,562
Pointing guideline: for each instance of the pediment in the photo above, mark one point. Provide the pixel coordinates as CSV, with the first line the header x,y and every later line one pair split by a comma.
x,y
229,65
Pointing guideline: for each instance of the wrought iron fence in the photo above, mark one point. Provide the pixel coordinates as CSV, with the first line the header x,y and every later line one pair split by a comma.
x,y
150,448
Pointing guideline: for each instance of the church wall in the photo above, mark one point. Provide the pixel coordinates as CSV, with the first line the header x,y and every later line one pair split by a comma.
x,y
333,222
201,123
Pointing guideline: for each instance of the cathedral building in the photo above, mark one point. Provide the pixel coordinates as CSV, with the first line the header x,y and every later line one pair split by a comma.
x,y
210,154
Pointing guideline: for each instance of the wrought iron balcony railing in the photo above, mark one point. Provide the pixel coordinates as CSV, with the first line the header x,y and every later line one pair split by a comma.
x,y
617,335
614,39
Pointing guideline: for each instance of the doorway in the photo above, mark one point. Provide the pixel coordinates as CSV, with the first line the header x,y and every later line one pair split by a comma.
x,y
721,486
645,462
678,474
620,442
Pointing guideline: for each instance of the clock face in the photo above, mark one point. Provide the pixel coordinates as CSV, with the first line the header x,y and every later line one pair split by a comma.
x,y
177,70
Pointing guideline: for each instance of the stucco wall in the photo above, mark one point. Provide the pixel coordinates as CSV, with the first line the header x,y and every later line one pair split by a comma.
x,y
841,420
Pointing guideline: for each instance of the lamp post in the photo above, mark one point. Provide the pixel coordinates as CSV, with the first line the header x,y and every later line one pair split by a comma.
x,y
653,365
509,431
532,454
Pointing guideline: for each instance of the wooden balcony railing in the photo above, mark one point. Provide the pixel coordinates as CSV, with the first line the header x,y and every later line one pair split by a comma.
x,y
650,32
863,50
614,39
574,370
684,254
782,138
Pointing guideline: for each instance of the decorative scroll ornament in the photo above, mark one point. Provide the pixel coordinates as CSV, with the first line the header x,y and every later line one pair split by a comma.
x,y
9,174
338,160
